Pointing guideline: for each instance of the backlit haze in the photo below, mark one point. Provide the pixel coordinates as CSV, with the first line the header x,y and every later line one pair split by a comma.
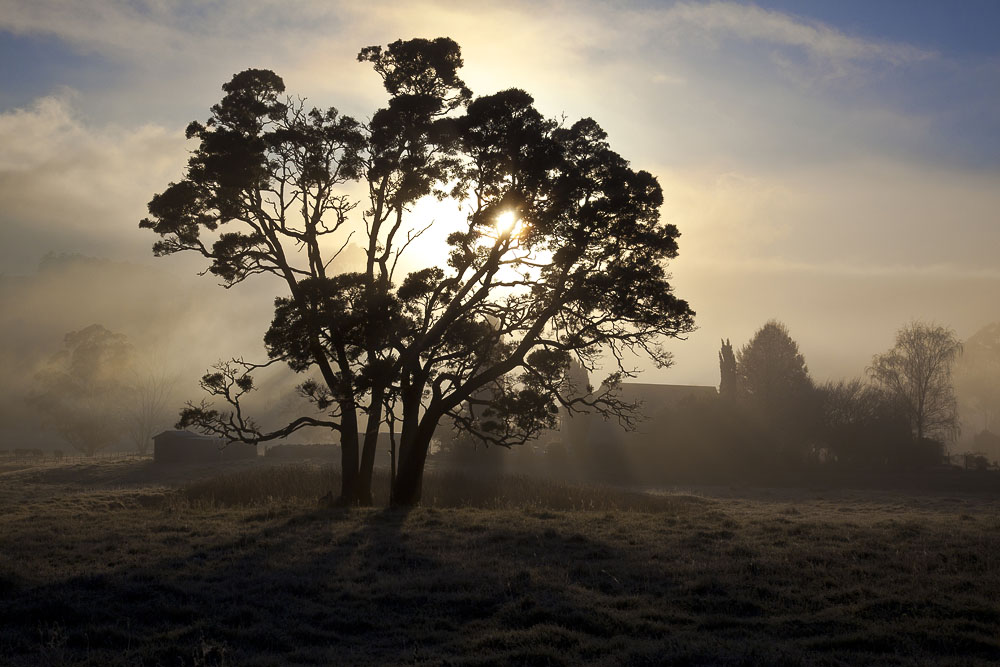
x,y
835,166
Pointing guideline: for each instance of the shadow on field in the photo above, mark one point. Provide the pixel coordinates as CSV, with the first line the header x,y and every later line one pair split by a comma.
x,y
694,581
353,587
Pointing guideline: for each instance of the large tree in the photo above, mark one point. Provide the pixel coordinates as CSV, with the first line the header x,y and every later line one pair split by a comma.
x,y
560,255
917,373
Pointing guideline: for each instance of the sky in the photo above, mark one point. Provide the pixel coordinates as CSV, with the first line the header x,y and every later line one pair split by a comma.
x,y
832,165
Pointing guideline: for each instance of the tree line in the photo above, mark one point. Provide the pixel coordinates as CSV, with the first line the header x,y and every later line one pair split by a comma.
x,y
771,417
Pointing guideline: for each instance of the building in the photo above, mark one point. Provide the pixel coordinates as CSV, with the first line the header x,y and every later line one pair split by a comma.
x,y
188,447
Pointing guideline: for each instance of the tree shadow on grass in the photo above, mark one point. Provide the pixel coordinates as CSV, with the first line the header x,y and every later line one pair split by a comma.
x,y
460,586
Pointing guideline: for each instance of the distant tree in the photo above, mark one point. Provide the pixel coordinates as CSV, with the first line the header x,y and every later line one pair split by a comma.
x,y
775,392
83,388
561,255
917,373
772,372
729,380
977,376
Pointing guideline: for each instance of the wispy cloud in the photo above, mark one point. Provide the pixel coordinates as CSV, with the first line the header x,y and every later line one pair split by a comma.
x,y
754,24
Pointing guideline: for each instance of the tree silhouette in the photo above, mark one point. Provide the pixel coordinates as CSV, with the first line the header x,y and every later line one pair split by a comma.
x,y
775,390
772,371
917,372
560,256
729,381
83,388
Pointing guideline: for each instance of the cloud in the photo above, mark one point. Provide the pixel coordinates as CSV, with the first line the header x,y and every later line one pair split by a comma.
x,y
596,60
754,24
510,33
870,214
70,186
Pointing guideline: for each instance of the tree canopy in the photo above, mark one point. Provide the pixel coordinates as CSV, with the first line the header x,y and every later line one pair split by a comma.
x,y
772,372
774,393
560,256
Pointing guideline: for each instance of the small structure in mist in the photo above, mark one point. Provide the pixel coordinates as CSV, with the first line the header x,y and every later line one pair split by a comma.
x,y
188,447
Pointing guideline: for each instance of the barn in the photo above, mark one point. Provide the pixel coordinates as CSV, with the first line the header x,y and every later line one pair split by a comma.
x,y
188,447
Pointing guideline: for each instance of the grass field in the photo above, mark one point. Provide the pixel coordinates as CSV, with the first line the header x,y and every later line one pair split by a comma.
x,y
125,563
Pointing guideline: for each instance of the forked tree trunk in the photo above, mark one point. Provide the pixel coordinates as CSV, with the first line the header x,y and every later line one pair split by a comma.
x,y
407,487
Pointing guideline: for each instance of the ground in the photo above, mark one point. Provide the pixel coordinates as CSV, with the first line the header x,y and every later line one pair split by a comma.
x,y
130,563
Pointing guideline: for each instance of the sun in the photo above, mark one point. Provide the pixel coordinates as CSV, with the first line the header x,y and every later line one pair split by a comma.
x,y
508,223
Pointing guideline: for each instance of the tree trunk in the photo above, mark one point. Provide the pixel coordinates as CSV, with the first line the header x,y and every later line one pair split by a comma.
x,y
369,451
407,487
366,470
349,461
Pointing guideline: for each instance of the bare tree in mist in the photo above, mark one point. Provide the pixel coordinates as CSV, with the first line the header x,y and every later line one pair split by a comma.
x,y
147,405
917,373
82,390
561,255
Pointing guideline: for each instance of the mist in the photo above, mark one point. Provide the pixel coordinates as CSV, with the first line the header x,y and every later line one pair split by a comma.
x,y
179,326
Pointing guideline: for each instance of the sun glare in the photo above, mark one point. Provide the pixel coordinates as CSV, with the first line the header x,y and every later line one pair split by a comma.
x,y
508,223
